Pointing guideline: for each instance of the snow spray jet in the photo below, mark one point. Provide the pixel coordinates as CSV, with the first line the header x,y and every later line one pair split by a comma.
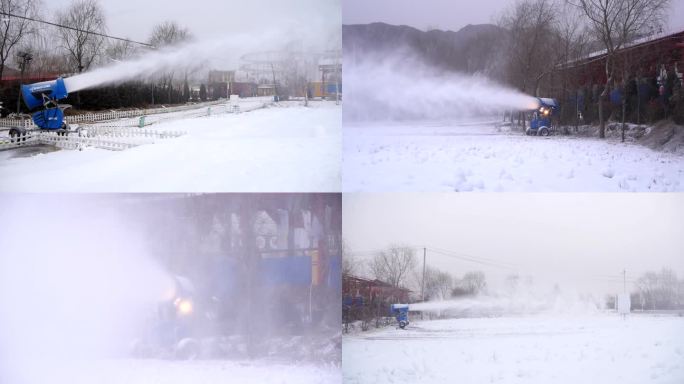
x,y
76,285
195,53
400,86
518,303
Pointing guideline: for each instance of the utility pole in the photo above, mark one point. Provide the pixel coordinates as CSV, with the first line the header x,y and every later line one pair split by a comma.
x,y
25,59
422,289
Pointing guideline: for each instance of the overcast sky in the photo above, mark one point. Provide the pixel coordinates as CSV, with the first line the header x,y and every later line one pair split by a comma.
x,y
444,14
135,18
577,240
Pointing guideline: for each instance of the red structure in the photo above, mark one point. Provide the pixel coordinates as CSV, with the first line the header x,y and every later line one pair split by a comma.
x,y
360,291
645,59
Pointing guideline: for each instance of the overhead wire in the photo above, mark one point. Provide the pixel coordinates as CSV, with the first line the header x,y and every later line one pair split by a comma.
x,y
75,29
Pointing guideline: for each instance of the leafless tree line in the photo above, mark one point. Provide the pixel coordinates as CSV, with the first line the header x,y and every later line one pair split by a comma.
x,y
63,51
658,291
398,266
545,38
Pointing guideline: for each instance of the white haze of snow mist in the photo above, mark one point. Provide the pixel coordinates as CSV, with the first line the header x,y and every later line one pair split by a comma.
x,y
400,86
519,303
223,52
75,286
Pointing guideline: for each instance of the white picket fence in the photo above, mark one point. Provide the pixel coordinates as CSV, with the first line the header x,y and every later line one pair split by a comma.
x,y
117,140
154,115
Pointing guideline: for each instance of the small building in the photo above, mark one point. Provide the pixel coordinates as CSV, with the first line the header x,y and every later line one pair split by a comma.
x,y
244,89
360,291
648,57
331,79
220,84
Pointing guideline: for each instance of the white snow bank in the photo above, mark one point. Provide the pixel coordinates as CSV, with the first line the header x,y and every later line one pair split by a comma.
x,y
458,156
589,349
277,149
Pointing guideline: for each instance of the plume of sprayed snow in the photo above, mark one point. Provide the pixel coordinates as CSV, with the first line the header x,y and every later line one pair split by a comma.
x,y
518,302
401,86
227,50
75,285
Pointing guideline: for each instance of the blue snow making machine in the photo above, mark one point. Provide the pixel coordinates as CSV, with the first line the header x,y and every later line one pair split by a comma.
x,y
42,99
541,123
400,312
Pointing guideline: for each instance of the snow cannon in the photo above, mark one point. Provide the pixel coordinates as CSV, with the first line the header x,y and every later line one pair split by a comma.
x,y
542,120
42,100
400,312
172,332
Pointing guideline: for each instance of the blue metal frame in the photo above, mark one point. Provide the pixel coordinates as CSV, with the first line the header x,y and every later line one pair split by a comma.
x,y
400,312
45,95
541,117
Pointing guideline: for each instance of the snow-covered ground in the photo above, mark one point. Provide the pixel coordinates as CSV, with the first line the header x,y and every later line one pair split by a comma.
x,y
538,349
130,371
284,148
475,156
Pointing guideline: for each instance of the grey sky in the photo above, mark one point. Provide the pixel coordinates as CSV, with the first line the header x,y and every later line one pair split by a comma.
x,y
445,14
135,18
577,240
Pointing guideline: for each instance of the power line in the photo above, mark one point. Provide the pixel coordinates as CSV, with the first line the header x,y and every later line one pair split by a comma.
x,y
76,29
472,259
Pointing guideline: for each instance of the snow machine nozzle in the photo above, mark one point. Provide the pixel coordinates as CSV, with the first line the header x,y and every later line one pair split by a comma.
x,y
45,95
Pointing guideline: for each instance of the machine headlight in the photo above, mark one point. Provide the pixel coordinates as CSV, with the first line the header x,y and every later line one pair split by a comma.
x,y
184,306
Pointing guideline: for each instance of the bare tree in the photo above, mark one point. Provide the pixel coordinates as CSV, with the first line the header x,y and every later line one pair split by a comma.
x,y
530,26
164,35
47,58
349,263
438,284
121,50
393,265
83,17
660,290
474,282
616,23
571,43
14,29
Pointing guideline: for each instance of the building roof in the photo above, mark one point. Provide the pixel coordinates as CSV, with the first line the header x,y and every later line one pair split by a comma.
x,y
374,282
636,44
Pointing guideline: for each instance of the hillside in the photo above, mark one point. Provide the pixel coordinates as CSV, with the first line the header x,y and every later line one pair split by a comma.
x,y
471,49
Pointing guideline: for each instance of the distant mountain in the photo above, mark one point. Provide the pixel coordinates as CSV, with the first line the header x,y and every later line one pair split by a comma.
x,y
474,48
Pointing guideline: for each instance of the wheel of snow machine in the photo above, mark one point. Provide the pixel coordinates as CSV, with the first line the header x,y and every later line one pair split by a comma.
x,y
543,131
187,349
17,134
402,324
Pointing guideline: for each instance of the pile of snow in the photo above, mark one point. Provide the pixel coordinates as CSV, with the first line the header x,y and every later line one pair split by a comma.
x,y
284,148
470,156
537,349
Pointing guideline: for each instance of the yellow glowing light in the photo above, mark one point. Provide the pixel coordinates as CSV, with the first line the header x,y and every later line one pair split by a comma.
x,y
184,307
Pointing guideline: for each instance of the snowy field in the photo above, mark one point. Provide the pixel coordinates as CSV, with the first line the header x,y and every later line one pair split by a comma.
x,y
475,156
183,372
593,349
284,148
